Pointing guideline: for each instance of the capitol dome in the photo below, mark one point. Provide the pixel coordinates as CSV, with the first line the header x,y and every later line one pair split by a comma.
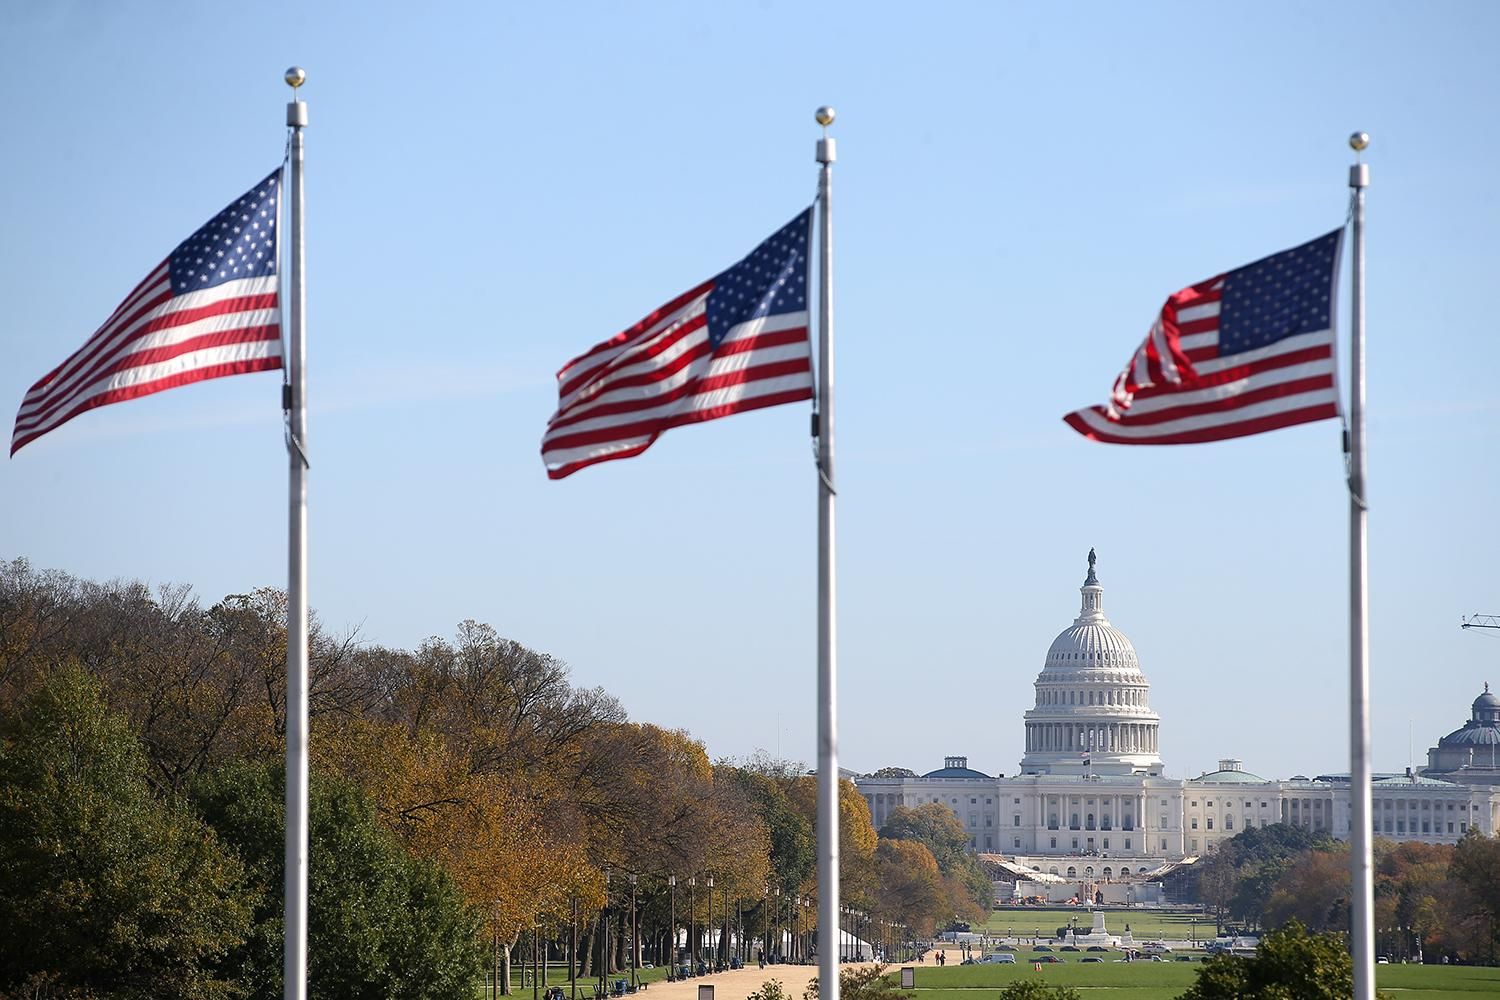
x,y
1092,713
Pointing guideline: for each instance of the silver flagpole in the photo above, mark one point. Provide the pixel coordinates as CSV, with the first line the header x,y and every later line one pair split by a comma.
x,y
294,963
1360,857
828,733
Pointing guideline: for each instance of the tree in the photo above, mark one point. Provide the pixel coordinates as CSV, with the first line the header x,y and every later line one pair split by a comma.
x,y
935,826
104,888
381,922
1476,868
932,824
1290,964
1217,884
1254,883
1314,892
484,829
771,989
1411,897
910,887
857,836
869,982
1239,876
1035,989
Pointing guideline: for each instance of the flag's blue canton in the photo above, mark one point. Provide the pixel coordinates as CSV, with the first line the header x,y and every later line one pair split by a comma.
x,y
773,279
1279,296
239,242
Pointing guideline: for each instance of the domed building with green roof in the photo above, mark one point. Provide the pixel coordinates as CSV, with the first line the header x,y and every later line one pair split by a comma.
x,y
1470,755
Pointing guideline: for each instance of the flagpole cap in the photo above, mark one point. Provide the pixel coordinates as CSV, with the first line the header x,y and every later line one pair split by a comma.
x,y
295,77
1359,141
824,116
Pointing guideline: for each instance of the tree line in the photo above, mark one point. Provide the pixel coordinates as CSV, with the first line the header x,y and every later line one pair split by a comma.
x,y
1432,901
466,796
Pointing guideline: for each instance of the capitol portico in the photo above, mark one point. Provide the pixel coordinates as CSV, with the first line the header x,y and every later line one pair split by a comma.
x,y
1090,801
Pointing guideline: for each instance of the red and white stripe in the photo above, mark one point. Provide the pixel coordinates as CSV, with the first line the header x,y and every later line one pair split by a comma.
x,y
156,340
615,400
1177,390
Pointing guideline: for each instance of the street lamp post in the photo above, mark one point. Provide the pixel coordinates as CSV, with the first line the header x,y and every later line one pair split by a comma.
x,y
798,930
776,951
713,945
791,928
573,947
692,941
793,912
672,959
765,943
604,938
635,940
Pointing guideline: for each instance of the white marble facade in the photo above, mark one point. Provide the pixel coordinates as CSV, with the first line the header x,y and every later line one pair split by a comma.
x,y
1089,798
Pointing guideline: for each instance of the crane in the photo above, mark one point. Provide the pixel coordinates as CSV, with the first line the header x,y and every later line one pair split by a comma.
x,y
1481,621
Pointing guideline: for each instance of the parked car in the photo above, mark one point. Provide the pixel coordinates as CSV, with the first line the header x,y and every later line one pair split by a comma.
x,y
1048,959
1091,958
1042,947
1184,958
1383,960
999,958
1155,948
1069,947
1096,947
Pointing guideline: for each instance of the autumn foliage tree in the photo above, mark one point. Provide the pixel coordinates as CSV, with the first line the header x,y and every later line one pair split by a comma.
x,y
910,886
478,782
968,888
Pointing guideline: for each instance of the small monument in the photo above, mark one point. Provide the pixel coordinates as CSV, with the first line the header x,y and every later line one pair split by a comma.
x,y
1097,934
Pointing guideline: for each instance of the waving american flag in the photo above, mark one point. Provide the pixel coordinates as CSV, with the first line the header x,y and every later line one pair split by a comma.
x,y
210,309
736,342
1243,352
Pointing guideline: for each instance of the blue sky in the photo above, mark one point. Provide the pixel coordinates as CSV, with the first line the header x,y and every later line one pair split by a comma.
x,y
492,188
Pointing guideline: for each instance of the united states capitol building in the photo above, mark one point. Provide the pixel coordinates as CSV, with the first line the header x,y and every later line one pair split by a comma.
x,y
1090,799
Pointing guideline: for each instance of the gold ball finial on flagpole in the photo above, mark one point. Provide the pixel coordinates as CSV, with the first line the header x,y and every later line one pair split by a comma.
x,y
824,115
1359,141
295,77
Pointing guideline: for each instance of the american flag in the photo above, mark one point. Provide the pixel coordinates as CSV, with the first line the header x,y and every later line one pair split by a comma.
x,y
736,342
1247,351
210,309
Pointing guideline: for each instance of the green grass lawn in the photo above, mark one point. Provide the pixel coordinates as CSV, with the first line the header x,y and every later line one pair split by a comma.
x,y
557,975
1158,979
1167,980
1145,925
1437,982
